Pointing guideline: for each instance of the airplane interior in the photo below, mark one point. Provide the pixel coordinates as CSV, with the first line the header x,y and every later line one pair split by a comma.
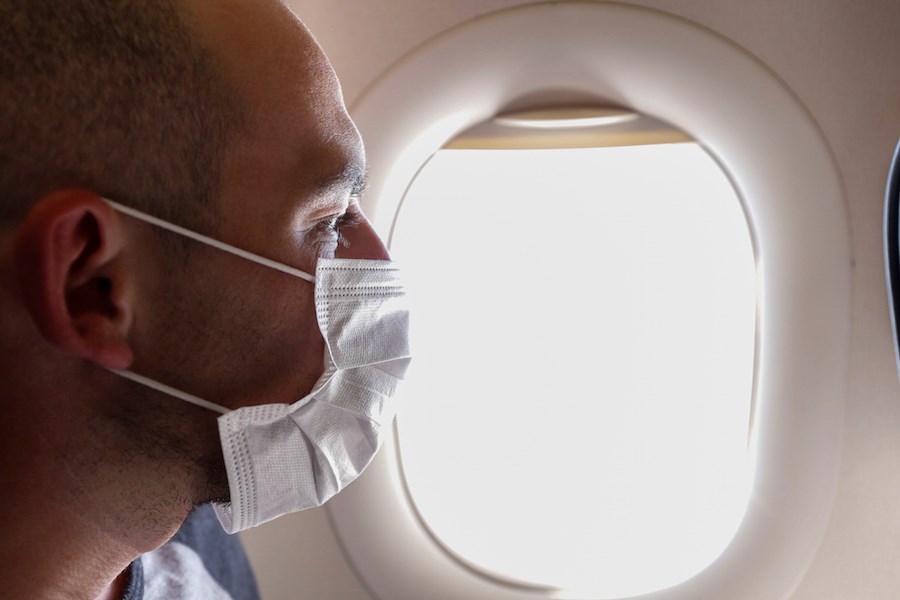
x,y
653,339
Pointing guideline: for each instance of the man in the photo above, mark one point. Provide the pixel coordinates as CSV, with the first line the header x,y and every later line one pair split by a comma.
x,y
220,116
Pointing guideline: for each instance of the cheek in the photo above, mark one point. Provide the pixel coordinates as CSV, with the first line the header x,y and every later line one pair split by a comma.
x,y
236,333
275,343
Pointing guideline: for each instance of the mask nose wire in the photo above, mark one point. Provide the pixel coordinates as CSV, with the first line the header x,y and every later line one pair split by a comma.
x,y
199,237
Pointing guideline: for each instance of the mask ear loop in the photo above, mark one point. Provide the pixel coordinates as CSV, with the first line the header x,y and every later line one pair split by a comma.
x,y
199,237
161,387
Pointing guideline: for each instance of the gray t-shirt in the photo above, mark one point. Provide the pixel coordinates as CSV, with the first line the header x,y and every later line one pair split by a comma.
x,y
201,562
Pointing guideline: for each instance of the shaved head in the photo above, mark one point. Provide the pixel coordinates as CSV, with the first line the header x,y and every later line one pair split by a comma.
x,y
116,96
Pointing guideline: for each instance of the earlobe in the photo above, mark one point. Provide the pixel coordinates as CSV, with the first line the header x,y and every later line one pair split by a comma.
x,y
68,263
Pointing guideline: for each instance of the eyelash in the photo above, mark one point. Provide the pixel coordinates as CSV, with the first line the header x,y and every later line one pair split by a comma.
x,y
345,221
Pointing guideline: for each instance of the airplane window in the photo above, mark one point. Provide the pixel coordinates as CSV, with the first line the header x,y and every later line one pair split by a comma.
x,y
620,382
578,412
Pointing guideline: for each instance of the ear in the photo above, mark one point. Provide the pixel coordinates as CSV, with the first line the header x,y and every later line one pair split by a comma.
x,y
68,262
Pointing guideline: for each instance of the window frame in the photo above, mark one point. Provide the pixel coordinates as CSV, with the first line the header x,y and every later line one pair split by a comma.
x,y
781,165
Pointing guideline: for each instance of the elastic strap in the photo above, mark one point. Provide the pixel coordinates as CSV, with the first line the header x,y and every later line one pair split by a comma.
x,y
199,237
161,387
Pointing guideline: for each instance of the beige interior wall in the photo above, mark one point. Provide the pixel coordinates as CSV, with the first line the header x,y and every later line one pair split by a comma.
x,y
841,59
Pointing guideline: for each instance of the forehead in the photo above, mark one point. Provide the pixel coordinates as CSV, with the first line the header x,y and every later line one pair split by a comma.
x,y
297,117
261,43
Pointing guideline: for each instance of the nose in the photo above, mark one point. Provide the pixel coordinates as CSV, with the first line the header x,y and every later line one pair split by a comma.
x,y
362,242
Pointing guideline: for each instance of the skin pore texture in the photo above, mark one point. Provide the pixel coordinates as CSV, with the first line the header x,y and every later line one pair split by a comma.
x,y
97,470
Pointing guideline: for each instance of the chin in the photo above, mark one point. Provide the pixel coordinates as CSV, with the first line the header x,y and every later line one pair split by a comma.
x,y
211,483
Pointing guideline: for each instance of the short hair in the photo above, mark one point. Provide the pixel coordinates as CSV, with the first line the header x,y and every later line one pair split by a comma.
x,y
117,96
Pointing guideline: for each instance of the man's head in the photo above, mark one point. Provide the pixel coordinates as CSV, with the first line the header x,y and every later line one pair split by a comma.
x,y
223,117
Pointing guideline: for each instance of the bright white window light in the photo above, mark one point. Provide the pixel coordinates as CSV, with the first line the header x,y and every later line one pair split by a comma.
x,y
577,413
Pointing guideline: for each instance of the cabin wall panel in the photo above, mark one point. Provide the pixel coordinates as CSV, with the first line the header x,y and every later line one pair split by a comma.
x,y
840,58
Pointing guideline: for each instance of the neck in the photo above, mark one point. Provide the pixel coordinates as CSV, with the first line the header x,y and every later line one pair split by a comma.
x,y
72,516
83,494
116,589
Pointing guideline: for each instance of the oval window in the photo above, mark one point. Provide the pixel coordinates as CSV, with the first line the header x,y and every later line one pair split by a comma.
x,y
580,403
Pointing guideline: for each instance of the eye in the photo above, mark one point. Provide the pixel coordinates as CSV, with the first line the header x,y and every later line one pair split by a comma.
x,y
338,223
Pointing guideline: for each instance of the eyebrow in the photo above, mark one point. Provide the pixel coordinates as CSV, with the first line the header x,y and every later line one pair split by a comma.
x,y
353,175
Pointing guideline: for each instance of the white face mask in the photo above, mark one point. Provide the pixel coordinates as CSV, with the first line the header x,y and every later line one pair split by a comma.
x,y
282,458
